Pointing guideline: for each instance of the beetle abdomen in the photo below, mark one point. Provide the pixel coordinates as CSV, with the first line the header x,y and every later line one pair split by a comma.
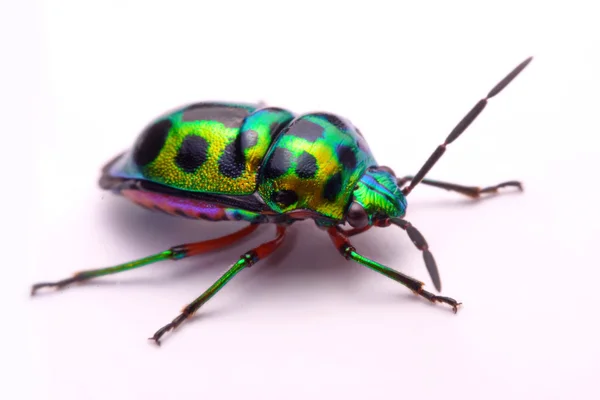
x,y
190,208
206,147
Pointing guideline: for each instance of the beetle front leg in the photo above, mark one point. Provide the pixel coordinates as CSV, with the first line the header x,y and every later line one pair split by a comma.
x,y
247,260
473,192
174,253
346,249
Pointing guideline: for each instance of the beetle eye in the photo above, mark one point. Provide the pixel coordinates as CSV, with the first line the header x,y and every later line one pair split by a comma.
x,y
357,216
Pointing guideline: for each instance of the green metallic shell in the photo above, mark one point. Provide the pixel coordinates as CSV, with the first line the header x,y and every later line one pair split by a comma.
x,y
215,148
315,164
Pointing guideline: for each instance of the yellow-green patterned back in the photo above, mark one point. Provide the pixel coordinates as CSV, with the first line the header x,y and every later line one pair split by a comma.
x,y
213,148
315,164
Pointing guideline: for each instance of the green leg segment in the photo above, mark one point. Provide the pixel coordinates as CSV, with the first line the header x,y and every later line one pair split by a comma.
x,y
174,253
349,252
248,259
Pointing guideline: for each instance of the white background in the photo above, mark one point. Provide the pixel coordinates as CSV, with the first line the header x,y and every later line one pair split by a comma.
x,y
79,81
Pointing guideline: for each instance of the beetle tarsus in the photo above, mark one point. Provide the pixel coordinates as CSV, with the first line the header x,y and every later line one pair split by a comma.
x,y
159,333
440,299
494,189
170,326
56,285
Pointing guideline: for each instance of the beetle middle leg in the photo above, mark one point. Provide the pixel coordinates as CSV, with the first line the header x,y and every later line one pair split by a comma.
x,y
471,191
174,253
247,260
342,243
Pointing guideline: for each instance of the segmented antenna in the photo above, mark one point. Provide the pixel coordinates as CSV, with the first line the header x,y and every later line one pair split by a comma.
x,y
463,125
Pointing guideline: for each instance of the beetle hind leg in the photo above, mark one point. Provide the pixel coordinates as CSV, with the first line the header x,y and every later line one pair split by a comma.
x,y
174,253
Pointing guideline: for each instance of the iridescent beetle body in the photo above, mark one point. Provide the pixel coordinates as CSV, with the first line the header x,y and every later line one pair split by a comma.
x,y
230,161
259,164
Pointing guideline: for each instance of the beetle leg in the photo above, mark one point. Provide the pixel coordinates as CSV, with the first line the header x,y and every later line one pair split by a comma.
x,y
174,253
356,231
247,260
349,252
471,191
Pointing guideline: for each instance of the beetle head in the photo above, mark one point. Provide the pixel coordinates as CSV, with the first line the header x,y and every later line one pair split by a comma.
x,y
377,198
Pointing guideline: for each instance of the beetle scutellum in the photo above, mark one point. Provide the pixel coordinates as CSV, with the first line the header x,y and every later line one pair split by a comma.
x,y
229,161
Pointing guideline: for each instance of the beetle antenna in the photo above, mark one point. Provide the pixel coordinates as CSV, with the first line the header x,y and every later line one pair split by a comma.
x,y
420,243
463,125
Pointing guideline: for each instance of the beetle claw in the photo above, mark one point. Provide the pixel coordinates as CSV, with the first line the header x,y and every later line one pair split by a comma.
x,y
38,286
450,301
155,340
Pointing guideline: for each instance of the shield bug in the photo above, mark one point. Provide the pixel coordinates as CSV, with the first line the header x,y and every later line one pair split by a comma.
x,y
264,165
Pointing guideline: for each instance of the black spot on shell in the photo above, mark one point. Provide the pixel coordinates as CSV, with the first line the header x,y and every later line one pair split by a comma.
x,y
285,197
151,142
230,116
347,157
333,187
278,163
306,165
334,120
248,139
192,153
276,127
233,161
306,129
